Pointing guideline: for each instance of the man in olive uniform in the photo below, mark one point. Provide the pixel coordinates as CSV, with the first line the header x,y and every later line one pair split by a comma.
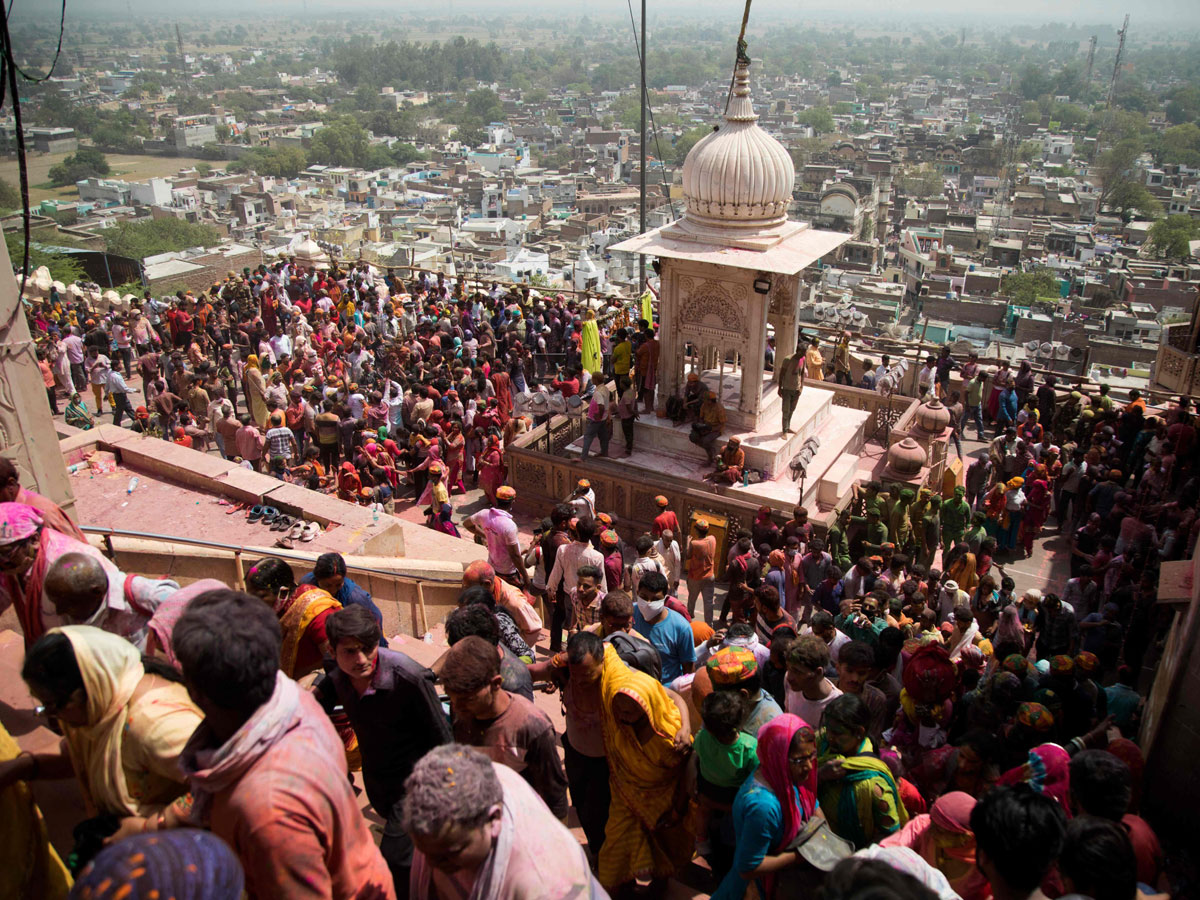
x,y
956,513
791,383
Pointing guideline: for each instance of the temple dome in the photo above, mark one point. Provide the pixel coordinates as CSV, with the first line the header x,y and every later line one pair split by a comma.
x,y
738,177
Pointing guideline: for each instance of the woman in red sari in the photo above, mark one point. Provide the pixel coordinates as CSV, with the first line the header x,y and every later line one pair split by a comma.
x,y
492,470
1037,495
348,482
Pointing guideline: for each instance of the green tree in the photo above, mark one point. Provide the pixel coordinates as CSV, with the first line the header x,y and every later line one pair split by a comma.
x,y
1026,287
923,182
86,162
137,240
1132,195
1170,237
470,134
485,105
62,267
403,154
686,141
10,197
342,142
1184,105
1115,165
1180,144
818,118
1035,81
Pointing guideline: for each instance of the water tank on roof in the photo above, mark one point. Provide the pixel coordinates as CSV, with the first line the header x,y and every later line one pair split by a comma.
x,y
1061,351
1075,354
1046,350
1032,346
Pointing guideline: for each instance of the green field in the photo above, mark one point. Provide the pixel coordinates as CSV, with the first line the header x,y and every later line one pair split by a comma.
x,y
127,167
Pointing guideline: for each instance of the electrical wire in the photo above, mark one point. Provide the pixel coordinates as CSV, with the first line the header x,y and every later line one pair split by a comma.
x,y
8,86
62,23
650,110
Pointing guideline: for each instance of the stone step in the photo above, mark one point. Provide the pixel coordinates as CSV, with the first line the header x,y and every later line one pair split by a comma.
x,y
841,436
837,480
768,449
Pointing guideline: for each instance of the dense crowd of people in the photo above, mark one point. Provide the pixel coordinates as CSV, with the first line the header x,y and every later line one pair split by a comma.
x,y
873,709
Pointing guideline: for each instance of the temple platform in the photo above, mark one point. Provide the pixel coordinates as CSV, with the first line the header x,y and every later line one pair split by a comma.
x,y
663,447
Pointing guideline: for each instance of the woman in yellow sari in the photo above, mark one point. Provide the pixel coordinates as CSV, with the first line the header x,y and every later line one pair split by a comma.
x,y
589,343
647,747
125,719
254,386
29,866
856,789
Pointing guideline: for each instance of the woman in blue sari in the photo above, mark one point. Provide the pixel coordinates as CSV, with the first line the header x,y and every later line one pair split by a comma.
x,y
771,807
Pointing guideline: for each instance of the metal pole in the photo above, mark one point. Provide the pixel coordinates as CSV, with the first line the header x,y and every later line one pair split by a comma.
x,y
641,256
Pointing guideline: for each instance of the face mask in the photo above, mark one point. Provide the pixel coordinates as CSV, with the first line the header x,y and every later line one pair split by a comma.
x,y
651,609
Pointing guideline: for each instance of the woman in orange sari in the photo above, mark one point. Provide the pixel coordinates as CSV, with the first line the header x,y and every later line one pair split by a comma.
x,y
993,505
454,450
302,612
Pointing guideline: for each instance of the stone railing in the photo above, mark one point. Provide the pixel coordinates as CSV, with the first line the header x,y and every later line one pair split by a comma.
x,y
544,476
887,414
1175,370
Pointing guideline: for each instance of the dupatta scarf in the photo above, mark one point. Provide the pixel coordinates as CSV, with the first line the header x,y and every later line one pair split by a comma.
x,y
111,669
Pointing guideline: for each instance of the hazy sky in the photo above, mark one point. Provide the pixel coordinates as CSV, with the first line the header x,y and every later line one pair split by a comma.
x,y
1184,14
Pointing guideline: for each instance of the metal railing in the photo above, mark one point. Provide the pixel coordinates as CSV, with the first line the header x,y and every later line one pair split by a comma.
x,y
238,549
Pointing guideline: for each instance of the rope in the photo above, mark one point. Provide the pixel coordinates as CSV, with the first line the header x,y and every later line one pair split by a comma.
x,y
741,56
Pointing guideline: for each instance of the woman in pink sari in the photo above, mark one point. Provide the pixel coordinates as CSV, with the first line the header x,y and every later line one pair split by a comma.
x,y
27,550
492,470
943,838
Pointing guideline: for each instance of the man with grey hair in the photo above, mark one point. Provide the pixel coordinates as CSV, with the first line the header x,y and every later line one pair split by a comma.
x,y
479,829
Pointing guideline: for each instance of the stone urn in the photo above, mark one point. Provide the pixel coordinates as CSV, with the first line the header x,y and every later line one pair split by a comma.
x,y
932,417
906,458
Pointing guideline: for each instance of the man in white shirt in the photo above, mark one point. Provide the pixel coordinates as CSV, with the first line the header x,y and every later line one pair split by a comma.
x,y
570,557
85,591
98,367
667,549
118,390
808,691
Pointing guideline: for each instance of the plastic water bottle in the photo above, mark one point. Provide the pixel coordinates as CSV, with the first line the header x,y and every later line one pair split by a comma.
x,y
133,483
375,512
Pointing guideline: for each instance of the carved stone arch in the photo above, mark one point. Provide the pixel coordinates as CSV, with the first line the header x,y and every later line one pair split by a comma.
x,y
710,306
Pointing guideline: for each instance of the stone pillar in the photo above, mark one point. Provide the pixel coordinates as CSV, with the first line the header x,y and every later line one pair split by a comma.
x,y
27,435
670,350
753,361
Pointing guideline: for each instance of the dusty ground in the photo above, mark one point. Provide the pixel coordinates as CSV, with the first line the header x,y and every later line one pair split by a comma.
x,y
124,166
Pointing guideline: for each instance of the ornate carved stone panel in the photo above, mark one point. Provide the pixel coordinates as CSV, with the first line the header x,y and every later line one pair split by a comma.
x,y
713,311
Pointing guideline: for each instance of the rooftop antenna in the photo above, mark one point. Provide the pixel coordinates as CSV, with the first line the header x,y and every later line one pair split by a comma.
x,y
1112,85
1087,81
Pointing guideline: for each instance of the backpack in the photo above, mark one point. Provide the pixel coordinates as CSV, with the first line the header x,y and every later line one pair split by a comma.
x,y
637,654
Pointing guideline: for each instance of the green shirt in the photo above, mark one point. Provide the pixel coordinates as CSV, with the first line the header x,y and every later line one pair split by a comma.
x,y
726,765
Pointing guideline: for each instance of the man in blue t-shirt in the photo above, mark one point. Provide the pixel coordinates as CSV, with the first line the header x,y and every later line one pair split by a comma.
x,y
666,629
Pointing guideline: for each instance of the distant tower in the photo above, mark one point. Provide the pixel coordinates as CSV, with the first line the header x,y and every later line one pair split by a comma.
x,y
1087,81
179,43
1112,85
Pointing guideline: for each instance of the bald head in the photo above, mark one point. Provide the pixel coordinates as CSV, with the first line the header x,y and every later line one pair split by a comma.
x,y
76,584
